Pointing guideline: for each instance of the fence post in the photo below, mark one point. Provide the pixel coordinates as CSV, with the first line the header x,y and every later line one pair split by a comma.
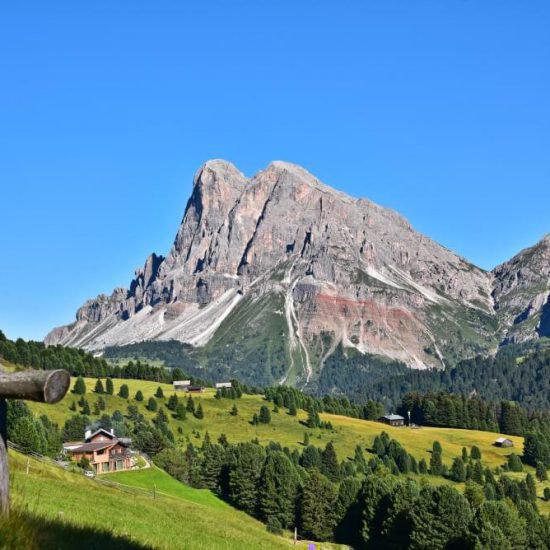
x,y
4,475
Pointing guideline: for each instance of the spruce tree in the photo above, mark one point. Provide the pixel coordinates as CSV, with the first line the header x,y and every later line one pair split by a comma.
x,y
85,408
278,489
329,462
79,387
124,391
311,458
436,463
475,453
181,412
172,402
477,473
109,387
159,394
190,406
199,413
101,403
234,411
317,513
99,386
265,415
541,472
139,395
152,404
458,471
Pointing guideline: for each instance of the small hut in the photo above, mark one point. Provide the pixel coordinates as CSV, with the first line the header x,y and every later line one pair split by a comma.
x,y
392,420
504,442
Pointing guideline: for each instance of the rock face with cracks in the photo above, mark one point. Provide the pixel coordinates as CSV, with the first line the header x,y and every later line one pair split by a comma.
x,y
309,267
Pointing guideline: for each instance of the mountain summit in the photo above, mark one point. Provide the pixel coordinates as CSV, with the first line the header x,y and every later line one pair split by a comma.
x,y
281,269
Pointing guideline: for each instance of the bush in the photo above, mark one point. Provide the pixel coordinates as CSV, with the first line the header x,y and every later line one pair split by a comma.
x,y
274,526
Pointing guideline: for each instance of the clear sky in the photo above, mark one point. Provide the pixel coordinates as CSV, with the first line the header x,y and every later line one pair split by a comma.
x,y
439,110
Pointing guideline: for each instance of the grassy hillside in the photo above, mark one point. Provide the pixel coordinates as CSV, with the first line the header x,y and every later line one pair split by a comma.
x,y
289,430
57,509
286,429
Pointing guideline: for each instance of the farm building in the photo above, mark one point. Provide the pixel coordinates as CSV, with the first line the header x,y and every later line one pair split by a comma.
x,y
220,385
392,420
181,385
105,451
195,389
504,442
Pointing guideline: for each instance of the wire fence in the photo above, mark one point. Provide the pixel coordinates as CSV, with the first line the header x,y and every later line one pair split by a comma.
x,y
152,493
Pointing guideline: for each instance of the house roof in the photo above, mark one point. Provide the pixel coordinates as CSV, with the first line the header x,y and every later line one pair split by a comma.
x,y
90,447
101,431
393,417
502,439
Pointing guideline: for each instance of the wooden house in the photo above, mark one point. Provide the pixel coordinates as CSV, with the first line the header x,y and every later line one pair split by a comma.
x,y
220,385
195,389
181,385
392,420
504,442
105,451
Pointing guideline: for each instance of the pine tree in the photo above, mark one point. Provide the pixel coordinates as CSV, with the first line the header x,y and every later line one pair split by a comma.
x,y
172,402
109,388
101,403
292,410
190,406
458,471
477,473
139,395
317,513
306,439
181,412
265,415
436,464
514,463
311,458
79,387
124,391
159,394
541,472
85,408
422,466
278,489
199,413
475,453
464,454
152,404
329,462
313,420
99,386
234,410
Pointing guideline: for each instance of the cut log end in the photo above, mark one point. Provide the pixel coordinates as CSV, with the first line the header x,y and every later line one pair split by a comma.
x,y
56,386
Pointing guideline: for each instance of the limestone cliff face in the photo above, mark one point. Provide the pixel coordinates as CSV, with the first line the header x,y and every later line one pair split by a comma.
x,y
335,269
522,293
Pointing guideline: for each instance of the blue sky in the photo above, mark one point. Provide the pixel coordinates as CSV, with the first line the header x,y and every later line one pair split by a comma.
x,y
439,110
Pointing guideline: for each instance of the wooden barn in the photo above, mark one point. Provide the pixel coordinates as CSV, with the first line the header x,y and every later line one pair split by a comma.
x,y
504,442
392,420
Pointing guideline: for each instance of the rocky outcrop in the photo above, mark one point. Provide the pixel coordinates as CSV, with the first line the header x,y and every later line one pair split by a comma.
x,y
522,293
334,269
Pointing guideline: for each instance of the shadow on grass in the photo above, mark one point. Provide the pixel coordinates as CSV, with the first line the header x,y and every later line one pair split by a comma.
x,y
23,530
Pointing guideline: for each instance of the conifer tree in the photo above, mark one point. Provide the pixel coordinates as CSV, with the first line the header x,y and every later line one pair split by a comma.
x,y
265,415
475,453
317,513
199,413
99,386
109,388
458,471
159,394
436,463
329,462
152,404
79,387
278,489
234,411
139,395
190,406
124,391
181,412
541,472
172,402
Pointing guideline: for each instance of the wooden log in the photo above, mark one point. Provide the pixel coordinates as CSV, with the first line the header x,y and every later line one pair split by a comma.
x,y
46,386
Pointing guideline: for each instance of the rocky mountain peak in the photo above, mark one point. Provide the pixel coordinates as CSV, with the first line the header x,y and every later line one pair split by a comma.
x,y
282,266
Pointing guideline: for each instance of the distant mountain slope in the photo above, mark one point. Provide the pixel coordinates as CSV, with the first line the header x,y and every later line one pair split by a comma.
x,y
275,271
